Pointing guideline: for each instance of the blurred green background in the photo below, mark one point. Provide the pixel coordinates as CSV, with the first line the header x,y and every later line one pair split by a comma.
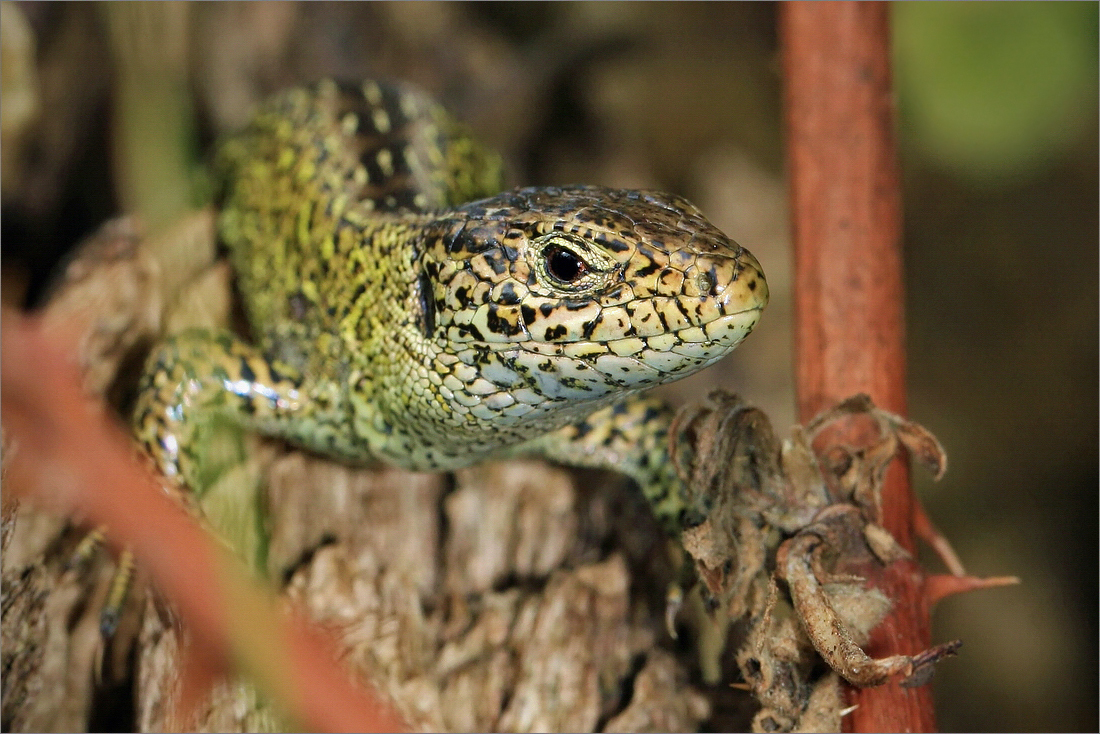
x,y
998,121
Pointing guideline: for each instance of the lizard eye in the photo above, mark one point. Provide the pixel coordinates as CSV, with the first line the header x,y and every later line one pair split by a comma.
x,y
564,265
567,265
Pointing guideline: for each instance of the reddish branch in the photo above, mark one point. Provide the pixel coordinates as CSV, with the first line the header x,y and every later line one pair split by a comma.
x,y
850,330
61,447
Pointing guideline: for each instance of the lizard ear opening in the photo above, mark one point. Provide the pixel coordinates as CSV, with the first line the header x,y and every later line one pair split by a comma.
x,y
426,306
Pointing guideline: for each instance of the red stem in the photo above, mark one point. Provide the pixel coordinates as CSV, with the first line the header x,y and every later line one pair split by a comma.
x,y
849,314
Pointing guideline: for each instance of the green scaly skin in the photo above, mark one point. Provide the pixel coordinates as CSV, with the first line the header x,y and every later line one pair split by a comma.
x,y
404,312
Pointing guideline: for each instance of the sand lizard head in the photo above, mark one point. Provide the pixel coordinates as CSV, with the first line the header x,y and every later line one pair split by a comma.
x,y
575,294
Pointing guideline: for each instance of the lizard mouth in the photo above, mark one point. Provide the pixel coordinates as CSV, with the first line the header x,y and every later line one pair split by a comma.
x,y
684,351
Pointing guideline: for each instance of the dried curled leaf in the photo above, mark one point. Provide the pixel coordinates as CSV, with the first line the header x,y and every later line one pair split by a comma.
x,y
774,528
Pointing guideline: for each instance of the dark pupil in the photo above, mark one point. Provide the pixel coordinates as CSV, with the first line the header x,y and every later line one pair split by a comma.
x,y
564,265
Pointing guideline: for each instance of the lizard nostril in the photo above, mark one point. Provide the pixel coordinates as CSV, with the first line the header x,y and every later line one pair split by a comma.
x,y
704,282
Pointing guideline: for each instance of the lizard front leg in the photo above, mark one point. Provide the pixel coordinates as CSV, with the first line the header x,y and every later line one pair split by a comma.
x,y
199,377
630,437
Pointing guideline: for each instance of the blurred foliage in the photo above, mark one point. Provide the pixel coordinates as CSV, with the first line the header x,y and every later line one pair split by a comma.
x,y
998,121
994,89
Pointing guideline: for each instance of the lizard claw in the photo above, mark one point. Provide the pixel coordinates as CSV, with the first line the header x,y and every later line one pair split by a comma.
x,y
674,600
